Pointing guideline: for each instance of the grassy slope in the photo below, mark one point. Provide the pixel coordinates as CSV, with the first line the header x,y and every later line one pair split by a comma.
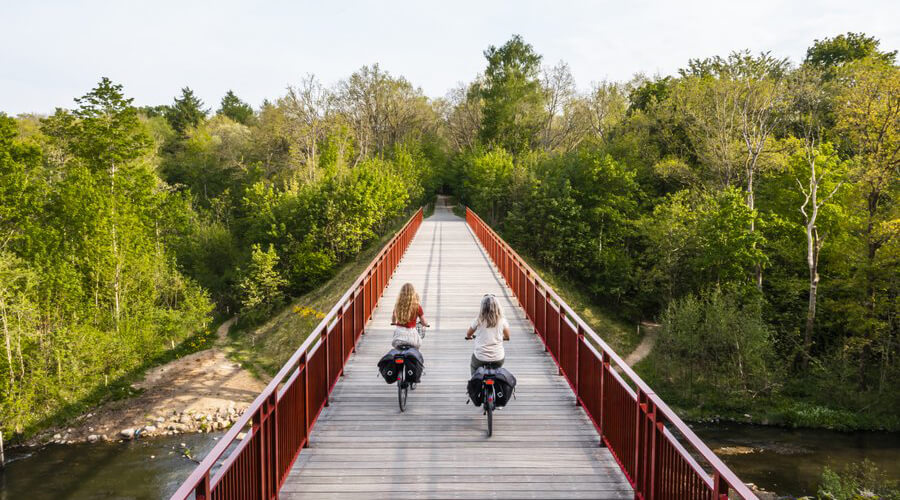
x,y
619,334
616,332
265,348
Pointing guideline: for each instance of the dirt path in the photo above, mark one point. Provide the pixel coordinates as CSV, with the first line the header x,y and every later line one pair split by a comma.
x,y
199,392
643,349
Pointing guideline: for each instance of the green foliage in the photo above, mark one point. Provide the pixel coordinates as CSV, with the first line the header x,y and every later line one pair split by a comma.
x,y
652,92
261,287
842,49
698,197
487,182
186,112
512,95
89,289
718,341
235,109
858,481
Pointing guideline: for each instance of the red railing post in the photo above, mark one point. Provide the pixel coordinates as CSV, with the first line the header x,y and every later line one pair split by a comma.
x,y
655,443
303,379
327,379
579,338
604,369
257,427
339,328
720,487
638,475
353,321
559,324
201,492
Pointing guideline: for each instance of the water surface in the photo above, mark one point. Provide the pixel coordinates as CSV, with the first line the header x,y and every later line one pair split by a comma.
x,y
789,462
103,470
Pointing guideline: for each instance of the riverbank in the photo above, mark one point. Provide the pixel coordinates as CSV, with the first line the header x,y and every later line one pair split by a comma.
x,y
201,392
206,384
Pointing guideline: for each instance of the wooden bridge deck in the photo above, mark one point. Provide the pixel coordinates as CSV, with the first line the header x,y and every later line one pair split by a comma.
x,y
362,446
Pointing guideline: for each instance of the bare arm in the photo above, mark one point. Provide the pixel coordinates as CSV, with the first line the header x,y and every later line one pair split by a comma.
x,y
470,332
505,333
423,320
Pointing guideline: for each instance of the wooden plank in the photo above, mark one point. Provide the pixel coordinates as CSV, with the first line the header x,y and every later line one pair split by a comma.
x,y
544,446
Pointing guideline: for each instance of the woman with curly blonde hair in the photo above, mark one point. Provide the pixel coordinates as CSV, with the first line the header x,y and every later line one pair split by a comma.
x,y
406,311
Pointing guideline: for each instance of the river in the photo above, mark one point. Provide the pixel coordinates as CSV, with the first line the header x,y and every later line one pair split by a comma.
x,y
788,462
150,468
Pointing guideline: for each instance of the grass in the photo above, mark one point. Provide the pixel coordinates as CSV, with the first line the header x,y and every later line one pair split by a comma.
x,y
616,332
263,349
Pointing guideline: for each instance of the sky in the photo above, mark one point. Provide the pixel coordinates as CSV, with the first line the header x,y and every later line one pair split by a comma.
x,y
53,51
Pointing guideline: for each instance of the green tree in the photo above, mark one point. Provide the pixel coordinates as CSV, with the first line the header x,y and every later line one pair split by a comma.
x,y
261,287
845,48
236,109
868,121
186,112
486,183
718,342
512,95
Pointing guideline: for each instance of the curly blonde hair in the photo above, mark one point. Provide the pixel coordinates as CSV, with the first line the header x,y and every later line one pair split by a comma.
x,y
407,306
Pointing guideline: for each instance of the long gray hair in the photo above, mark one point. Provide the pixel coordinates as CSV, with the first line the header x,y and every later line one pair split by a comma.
x,y
490,314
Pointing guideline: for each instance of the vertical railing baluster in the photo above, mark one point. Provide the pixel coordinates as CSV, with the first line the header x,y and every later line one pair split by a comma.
x,y
558,353
579,338
604,369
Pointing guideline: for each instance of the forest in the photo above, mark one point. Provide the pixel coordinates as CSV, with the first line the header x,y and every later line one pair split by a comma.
x,y
749,204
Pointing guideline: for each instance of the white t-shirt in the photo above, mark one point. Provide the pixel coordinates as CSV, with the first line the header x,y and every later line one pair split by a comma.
x,y
489,341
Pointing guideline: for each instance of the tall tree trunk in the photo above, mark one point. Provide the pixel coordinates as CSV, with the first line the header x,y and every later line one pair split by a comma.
x,y
751,204
19,346
9,360
115,245
812,259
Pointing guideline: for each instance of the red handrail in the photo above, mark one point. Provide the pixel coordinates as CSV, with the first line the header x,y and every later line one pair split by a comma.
x,y
640,430
282,416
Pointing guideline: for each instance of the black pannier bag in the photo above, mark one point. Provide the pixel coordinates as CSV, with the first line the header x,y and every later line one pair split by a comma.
x,y
504,386
413,363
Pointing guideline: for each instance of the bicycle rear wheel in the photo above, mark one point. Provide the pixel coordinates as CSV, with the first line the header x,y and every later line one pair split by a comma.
x,y
402,393
489,408
402,389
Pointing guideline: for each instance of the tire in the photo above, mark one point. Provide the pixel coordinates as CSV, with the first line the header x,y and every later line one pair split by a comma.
x,y
402,392
489,410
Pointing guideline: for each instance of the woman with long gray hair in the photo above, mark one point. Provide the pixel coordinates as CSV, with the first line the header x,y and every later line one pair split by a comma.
x,y
489,330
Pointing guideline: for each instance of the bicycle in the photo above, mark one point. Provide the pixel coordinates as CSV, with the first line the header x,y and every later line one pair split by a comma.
x,y
488,395
402,385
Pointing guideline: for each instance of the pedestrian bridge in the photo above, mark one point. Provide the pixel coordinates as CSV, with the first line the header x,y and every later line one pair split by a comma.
x,y
583,425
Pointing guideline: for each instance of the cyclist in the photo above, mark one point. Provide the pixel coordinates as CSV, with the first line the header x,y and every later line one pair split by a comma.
x,y
489,330
407,311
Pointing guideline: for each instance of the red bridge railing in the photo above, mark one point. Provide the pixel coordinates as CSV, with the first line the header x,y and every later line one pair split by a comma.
x,y
279,421
654,448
